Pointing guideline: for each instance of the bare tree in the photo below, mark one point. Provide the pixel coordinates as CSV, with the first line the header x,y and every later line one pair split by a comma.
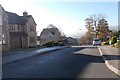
x,y
95,18
51,26
92,22
92,27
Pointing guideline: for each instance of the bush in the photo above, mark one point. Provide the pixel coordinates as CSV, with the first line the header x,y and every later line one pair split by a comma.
x,y
61,44
52,43
48,44
113,40
105,43
56,44
117,45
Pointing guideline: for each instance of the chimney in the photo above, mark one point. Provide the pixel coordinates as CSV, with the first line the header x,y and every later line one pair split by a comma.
x,y
25,13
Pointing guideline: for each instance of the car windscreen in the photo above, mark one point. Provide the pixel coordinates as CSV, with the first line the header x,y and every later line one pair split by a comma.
x,y
97,40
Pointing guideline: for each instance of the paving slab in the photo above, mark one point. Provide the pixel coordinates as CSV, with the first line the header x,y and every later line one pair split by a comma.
x,y
111,56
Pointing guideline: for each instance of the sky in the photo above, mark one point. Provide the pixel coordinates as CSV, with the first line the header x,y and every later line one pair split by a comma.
x,y
69,17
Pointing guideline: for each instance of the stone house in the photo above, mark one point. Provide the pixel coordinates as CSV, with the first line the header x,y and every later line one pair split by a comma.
x,y
49,34
18,31
4,30
31,30
72,41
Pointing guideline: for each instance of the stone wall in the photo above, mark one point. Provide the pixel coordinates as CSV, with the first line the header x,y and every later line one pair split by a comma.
x,y
5,31
31,31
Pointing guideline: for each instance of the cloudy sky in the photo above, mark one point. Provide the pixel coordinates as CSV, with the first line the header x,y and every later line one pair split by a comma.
x,y
67,16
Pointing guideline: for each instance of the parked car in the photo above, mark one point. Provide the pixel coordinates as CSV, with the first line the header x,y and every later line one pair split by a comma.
x,y
118,39
96,42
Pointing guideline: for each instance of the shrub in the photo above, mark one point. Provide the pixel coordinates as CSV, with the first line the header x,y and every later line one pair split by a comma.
x,y
48,44
113,40
61,44
105,43
56,44
117,45
52,43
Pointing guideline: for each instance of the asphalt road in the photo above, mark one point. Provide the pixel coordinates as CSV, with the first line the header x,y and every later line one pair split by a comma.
x,y
74,62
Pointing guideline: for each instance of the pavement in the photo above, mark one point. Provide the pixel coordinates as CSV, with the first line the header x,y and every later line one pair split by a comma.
x,y
13,56
111,56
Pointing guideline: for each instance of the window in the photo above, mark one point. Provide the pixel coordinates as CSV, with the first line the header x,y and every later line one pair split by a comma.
x,y
50,34
12,27
31,28
2,39
18,27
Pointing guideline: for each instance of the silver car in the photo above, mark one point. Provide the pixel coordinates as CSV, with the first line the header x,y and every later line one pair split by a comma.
x,y
96,42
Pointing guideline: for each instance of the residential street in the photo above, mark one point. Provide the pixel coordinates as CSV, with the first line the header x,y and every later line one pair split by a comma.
x,y
74,62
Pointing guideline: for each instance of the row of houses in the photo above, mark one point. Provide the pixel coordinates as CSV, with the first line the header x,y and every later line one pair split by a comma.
x,y
20,32
52,33
17,31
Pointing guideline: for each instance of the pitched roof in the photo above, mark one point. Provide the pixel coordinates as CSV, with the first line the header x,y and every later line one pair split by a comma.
x,y
71,38
16,19
46,31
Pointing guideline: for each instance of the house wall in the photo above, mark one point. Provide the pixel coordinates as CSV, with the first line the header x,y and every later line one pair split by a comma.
x,y
21,41
5,31
18,42
16,27
31,31
47,36
56,36
72,41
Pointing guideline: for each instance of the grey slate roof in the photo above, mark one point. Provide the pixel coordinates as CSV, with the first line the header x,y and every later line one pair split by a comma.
x,y
16,19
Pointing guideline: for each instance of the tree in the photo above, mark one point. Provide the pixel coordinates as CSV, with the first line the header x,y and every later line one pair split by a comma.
x,y
89,27
97,27
51,26
82,40
102,29
90,23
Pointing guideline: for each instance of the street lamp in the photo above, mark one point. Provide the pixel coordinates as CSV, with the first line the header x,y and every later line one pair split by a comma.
x,y
78,35
77,31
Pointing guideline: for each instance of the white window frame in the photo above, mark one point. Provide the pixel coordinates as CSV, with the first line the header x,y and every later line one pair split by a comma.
x,y
2,39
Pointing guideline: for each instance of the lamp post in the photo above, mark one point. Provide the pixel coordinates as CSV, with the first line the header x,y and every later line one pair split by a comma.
x,y
78,36
77,32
